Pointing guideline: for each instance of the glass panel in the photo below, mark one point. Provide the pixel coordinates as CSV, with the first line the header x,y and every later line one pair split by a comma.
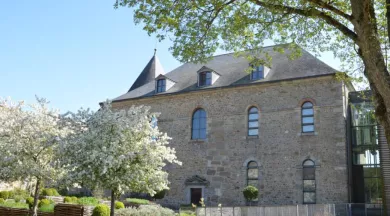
x,y
308,128
308,163
307,105
253,116
254,124
252,164
255,75
253,173
253,110
309,197
195,134
253,182
195,124
307,112
202,134
363,157
208,81
202,123
309,173
197,114
306,120
363,114
253,132
208,74
373,190
309,185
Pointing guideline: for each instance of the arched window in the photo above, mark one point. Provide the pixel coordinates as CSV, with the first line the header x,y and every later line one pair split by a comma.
x,y
252,174
199,122
253,122
307,117
309,182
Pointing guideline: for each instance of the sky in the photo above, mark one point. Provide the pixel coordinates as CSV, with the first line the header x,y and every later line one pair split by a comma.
x,y
75,53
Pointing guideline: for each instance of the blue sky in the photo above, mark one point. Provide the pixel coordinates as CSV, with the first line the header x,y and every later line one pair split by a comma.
x,y
74,53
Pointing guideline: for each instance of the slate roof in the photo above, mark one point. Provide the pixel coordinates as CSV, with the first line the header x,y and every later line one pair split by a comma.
x,y
232,71
149,73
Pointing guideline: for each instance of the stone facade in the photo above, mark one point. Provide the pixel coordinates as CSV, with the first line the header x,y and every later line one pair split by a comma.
x,y
279,150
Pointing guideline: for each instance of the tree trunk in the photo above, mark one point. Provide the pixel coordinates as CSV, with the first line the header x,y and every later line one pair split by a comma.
x,y
365,26
36,198
112,211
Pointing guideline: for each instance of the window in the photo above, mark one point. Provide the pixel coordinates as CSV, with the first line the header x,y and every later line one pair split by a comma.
x,y
199,121
257,73
205,78
307,117
161,86
252,174
309,182
253,122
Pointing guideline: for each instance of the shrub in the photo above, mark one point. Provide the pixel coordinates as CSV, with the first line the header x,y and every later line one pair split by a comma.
x,y
119,205
44,202
250,193
68,200
1,201
4,194
160,194
49,192
154,210
30,201
74,199
101,210
20,192
138,201
11,195
17,198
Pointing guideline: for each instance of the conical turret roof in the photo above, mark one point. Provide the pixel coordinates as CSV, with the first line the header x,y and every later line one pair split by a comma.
x,y
149,73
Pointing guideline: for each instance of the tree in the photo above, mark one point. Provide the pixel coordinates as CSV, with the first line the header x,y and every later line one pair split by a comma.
x,y
356,31
120,150
29,137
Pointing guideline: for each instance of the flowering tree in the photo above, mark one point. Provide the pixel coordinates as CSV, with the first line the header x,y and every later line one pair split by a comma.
x,y
120,150
29,137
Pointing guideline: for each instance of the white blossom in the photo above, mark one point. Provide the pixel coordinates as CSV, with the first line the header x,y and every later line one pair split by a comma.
x,y
119,150
29,137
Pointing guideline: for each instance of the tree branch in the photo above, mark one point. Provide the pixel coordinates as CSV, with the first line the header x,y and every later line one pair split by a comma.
x,y
314,13
332,8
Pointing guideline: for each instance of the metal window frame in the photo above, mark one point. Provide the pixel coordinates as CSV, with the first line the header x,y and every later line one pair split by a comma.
x,y
253,120
161,85
197,130
314,179
247,172
259,73
203,78
303,116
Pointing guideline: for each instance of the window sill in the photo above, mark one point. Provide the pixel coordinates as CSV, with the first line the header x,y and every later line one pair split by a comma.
x,y
197,141
308,134
252,137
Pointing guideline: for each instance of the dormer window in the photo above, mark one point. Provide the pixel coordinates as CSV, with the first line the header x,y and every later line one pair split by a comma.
x,y
205,78
161,85
257,72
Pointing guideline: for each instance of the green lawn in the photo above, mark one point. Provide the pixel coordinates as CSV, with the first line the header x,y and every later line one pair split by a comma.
x,y
138,201
13,204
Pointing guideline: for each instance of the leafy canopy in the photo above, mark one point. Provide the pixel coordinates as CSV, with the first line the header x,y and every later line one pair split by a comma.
x,y
199,28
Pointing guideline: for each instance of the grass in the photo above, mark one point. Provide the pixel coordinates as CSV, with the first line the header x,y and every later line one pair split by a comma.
x,y
13,204
47,208
138,201
90,201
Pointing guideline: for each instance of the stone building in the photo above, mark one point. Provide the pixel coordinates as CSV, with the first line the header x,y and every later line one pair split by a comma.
x,y
281,128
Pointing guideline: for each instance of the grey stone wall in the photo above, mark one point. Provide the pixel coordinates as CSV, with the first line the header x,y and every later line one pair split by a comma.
x,y
279,149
